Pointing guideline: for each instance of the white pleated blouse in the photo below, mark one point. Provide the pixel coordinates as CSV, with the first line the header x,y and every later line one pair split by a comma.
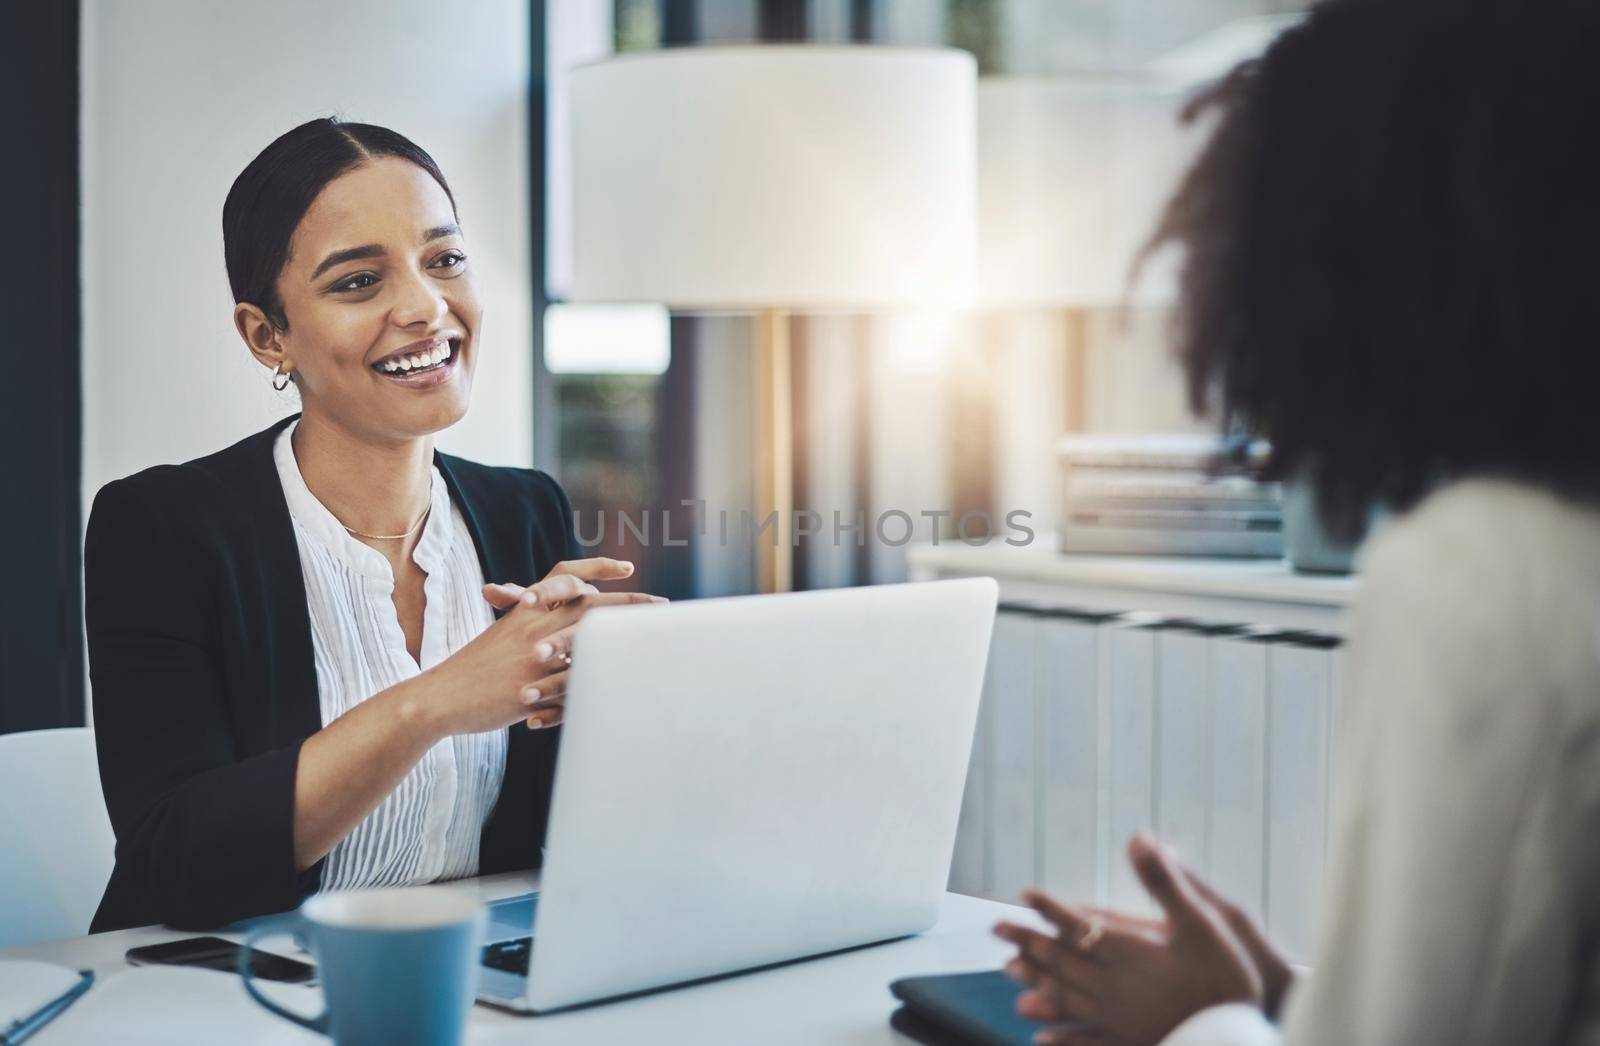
x,y
428,827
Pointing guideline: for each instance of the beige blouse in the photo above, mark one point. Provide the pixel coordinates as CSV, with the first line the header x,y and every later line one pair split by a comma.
x,y
1463,895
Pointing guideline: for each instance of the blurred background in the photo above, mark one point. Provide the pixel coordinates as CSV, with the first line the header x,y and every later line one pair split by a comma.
x,y
918,411
131,120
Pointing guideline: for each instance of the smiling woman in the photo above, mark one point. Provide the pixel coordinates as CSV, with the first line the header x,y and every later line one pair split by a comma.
x,y
371,262
307,649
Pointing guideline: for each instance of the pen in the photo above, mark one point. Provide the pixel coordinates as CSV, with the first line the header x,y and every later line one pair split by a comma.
x,y
20,1030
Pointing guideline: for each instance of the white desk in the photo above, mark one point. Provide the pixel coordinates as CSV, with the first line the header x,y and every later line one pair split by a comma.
x,y
842,998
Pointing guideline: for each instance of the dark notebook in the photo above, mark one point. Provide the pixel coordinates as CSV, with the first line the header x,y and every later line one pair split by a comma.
x,y
962,1009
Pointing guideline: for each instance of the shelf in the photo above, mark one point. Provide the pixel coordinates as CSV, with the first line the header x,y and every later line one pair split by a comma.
x,y
1249,579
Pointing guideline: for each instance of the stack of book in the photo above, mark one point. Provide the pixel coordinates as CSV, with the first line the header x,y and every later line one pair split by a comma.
x,y
1166,495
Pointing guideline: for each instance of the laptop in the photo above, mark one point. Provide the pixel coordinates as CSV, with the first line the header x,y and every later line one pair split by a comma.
x,y
744,782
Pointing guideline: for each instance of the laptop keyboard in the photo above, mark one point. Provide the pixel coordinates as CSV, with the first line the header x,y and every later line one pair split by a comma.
x,y
510,956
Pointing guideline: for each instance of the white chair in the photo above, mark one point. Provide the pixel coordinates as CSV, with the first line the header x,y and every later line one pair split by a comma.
x,y
56,845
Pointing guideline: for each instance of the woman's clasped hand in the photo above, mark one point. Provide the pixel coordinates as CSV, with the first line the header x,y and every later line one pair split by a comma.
x,y
517,667
1113,979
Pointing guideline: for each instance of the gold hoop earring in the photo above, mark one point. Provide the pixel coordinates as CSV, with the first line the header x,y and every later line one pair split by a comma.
x,y
278,372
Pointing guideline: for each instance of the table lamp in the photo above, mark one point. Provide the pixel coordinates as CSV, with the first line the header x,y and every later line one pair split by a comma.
x,y
775,179
1074,171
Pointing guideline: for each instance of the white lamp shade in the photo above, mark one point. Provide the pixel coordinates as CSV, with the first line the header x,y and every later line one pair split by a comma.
x,y
802,177
1074,174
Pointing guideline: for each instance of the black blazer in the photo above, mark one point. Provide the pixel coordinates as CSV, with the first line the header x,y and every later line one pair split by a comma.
x,y
204,684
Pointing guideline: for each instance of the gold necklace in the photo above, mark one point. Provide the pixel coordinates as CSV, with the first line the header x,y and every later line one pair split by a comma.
x,y
392,537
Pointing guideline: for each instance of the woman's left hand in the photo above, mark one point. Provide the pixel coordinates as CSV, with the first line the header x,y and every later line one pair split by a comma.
x,y
1121,979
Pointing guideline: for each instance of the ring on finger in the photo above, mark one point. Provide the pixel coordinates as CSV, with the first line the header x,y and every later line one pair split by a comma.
x,y
565,658
1092,934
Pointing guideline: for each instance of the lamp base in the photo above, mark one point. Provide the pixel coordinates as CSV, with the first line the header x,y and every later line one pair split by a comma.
x,y
774,452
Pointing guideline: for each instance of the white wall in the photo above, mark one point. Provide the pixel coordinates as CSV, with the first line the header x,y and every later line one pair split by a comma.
x,y
178,96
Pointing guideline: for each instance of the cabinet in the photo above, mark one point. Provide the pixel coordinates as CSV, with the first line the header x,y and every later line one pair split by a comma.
x,y
1192,698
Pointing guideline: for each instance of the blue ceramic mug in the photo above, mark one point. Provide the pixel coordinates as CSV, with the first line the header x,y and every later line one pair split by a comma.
x,y
397,965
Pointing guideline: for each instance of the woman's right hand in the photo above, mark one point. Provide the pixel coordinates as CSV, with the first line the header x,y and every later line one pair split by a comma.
x,y
1131,981
515,664
1277,975
1272,966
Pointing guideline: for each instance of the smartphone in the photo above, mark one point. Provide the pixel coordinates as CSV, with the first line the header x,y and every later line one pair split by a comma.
x,y
214,953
